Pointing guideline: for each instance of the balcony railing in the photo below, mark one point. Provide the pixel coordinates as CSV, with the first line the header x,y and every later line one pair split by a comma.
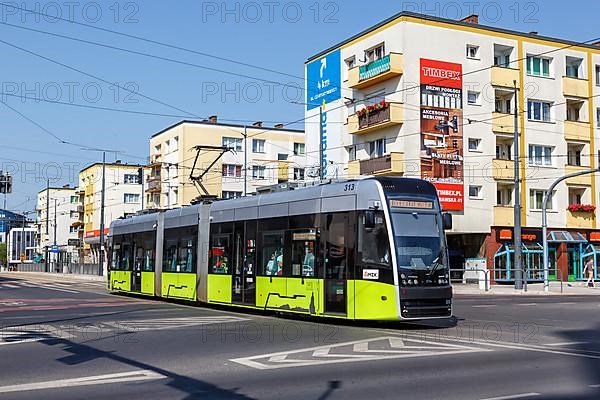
x,y
580,219
154,185
504,216
374,72
575,87
392,114
577,131
387,165
503,123
503,169
583,180
505,77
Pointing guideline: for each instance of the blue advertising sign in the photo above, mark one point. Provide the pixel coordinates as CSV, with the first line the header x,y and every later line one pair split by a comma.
x,y
54,249
324,76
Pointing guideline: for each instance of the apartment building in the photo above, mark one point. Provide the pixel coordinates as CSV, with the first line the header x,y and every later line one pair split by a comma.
x,y
123,197
57,217
9,220
235,160
427,97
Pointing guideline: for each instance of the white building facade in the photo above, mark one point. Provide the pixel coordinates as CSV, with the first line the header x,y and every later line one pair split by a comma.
x,y
431,98
57,214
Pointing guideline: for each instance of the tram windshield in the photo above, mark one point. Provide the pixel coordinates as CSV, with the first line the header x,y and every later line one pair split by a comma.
x,y
419,242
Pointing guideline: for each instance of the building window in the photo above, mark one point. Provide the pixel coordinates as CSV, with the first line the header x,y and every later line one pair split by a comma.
x,y
597,75
598,117
503,151
502,55
231,195
258,172
574,157
299,149
73,214
298,174
282,157
472,51
573,66
502,105
474,144
504,197
536,199
375,53
232,170
377,148
475,192
538,110
131,179
350,62
74,199
473,98
352,152
258,146
72,229
540,155
232,143
175,144
538,66
131,198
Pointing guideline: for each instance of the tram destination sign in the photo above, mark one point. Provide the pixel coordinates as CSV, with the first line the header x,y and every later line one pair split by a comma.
x,y
427,205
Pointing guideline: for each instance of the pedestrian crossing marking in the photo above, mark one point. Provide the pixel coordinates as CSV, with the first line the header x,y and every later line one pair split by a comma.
x,y
166,323
31,333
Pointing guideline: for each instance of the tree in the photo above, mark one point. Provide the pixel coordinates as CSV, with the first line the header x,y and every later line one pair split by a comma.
x,y
3,254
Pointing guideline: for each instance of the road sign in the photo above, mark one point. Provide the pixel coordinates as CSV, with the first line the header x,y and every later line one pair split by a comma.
x,y
74,242
54,249
323,80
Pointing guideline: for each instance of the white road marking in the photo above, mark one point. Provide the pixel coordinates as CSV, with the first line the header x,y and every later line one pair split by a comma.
x,y
565,343
173,323
514,396
527,304
49,287
31,333
133,376
595,386
359,350
484,306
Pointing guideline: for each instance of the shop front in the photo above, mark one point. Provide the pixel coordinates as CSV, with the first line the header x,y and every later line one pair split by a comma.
x,y
568,251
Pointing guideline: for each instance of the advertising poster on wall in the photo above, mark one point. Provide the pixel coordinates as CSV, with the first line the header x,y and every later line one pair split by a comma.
x,y
442,132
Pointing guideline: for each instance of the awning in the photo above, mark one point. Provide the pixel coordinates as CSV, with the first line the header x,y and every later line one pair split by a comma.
x,y
566,237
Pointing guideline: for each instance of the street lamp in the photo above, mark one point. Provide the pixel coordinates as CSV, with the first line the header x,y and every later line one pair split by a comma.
x,y
547,196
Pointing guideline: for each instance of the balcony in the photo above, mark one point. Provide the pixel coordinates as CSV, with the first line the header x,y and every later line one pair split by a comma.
x,y
580,220
375,72
504,216
154,185
577,131
283,171
575,87
155,160
583,180
505,77
391,115
388,165
503,170
503,123
80,209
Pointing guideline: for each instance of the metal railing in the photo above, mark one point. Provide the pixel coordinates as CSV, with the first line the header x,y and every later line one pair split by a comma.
x,y
487,273
59,268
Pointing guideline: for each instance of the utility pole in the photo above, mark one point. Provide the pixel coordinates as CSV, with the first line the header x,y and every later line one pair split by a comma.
x,y
101,255
245,160
47,266
517,207
322,166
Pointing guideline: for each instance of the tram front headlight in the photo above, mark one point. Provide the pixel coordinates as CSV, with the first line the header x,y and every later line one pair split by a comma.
x,y
404,282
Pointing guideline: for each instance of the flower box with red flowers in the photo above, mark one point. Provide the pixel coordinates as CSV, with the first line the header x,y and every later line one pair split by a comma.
x,y
374,114
582,208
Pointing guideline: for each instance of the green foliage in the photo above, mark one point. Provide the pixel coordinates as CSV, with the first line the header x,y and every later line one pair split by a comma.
x,y
3,253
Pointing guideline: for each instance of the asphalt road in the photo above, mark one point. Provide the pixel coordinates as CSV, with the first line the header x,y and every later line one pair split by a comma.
x,y
72,340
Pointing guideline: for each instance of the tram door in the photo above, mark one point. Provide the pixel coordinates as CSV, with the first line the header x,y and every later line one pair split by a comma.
x,y
136,274
336,257
244,247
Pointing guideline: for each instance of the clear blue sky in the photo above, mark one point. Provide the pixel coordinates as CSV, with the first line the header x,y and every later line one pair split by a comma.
x,y
277,35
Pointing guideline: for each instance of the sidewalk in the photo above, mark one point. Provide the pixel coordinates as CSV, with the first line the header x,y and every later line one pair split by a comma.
x,y
533,289
52,275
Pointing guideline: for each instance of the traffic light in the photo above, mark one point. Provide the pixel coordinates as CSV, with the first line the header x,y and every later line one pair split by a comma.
x,y
5,183
141,175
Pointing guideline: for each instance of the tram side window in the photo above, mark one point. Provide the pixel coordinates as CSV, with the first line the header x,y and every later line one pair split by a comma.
x,y
186,255
272,253
374,242
170,256
148,265
116,256
304,246
219,254
125,264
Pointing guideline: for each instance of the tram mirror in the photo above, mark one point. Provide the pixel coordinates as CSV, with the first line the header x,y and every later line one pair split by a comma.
x,y
447,218
369,219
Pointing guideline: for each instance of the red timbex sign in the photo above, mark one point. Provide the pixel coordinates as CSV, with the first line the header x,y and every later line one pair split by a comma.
x,y
441,130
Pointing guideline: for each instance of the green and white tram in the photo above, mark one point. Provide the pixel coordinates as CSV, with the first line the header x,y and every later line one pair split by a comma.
x,y
370,249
